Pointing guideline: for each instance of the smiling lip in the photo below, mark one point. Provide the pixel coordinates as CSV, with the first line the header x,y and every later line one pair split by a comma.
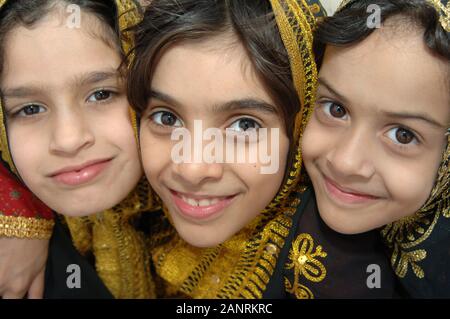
x,y
81,174
345,195
200,206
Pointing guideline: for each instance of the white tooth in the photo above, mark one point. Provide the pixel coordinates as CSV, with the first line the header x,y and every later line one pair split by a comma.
x,y
214,201
204,202
191,202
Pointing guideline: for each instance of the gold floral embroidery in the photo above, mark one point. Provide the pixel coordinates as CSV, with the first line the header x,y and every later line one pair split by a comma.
x,y
305,263
300,291
408,258
405,235
315,8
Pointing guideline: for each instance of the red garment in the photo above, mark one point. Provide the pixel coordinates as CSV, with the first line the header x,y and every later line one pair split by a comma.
x,y
17,200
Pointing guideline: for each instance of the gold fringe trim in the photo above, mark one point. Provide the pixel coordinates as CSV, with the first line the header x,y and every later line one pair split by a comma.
x,y
241,267
26,227
122,259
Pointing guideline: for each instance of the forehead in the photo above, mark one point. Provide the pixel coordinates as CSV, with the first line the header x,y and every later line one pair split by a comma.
x,y
390,70
209,72
56,50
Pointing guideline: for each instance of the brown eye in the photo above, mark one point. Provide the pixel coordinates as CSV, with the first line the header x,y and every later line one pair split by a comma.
x,y
30,110
244,124
100,95
404,136
168,119
337,110
165,118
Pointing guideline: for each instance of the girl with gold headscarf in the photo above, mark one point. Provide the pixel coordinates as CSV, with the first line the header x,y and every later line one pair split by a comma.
x,y
227,230
377,148
67,134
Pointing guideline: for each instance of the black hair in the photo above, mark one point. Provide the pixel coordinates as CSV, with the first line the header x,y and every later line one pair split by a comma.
x,y
170,22
28,13
349,26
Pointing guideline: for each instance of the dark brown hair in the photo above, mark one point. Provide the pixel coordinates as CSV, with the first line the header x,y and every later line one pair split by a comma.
x,y
349,26
170,22
28,13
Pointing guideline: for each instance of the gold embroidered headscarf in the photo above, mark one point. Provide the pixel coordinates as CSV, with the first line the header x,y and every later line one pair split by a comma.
x,y
411,238
296,23
120,251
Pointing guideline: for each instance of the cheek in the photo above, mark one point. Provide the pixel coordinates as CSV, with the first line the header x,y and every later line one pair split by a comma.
x,y
155,154
115,126
409,184
315,142
29,149
256,197
254,178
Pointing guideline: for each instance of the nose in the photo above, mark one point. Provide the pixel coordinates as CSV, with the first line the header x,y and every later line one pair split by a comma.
x,y
196,174
351,156
71,133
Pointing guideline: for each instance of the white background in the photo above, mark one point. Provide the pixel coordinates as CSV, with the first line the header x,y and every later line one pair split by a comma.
x,y
330,5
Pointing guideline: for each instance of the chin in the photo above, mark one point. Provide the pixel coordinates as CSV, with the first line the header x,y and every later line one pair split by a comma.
x,y
339,224
199,241
78,212
86,209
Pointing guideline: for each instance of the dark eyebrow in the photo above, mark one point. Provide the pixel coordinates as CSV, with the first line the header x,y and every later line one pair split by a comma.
x,y
80,80
328,86
415,116
154,94
21,91
247,104
96,77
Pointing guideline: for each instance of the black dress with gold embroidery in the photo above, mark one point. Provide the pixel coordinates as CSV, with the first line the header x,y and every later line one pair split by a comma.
x,y
294,255
419,244
420,255
317,262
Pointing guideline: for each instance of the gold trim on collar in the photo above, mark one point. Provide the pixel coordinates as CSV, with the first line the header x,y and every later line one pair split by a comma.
x,y
23,227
